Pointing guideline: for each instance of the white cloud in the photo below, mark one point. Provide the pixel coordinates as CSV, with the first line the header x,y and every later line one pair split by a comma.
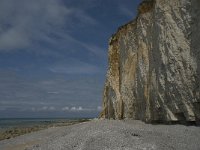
x,y
52,108
74,67
24,23
127,12
53,92
44,108
34,93
13,38
79,108
84,17
94,49
73,109
65,108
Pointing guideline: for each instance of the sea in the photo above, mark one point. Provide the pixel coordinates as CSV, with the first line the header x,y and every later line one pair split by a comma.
x,y
8,123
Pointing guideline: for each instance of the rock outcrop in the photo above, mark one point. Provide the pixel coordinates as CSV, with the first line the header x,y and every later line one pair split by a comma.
x,y
154,64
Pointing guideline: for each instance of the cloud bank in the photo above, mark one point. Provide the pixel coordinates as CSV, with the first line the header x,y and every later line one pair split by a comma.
x,y
27,23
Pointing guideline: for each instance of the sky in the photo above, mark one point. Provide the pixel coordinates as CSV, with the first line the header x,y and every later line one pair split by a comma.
x,y
53,55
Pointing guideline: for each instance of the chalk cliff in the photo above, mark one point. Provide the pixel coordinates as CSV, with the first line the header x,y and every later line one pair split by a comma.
x,y
154,64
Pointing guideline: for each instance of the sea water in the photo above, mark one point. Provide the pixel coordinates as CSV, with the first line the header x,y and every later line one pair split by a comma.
x,y
7,123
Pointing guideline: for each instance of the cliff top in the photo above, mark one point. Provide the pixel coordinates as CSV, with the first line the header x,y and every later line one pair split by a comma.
x,y
144,7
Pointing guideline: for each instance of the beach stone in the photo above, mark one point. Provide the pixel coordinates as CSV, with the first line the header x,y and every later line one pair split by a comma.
x,y
109,135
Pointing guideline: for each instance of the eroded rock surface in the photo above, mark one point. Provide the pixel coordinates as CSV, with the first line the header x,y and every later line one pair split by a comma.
x,y
154,64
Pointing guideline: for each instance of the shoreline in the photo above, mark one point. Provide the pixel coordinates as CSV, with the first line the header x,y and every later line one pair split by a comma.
x,y
13,132
108,135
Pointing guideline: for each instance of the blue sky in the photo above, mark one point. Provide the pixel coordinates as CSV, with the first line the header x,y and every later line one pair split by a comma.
x,y
53,55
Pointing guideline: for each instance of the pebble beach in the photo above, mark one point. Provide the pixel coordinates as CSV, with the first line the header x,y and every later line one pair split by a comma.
x,y
108,135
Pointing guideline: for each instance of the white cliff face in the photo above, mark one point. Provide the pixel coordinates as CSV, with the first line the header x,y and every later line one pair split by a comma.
x,y
154,64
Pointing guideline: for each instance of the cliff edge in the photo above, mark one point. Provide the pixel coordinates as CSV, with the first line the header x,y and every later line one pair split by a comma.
x,y
154,64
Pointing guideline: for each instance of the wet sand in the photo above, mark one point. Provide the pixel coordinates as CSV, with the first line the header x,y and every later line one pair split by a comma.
x,y
17,131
